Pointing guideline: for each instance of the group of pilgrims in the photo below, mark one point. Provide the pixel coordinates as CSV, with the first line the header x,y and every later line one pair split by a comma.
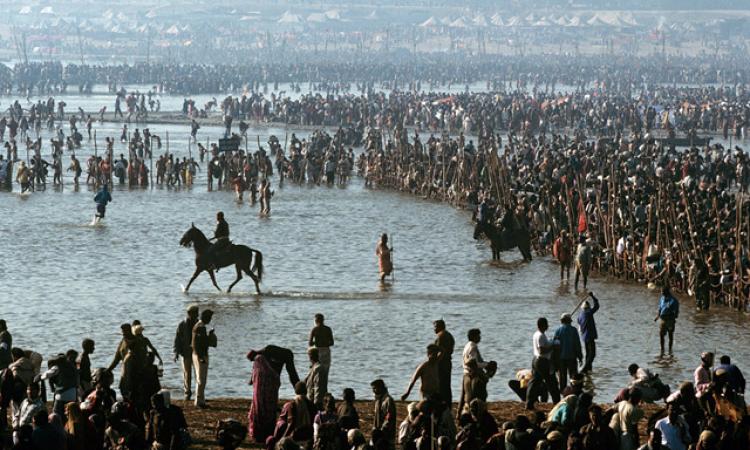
x,y
707,412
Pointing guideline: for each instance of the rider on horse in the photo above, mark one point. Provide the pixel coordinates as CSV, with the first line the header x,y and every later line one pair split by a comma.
x,y
221,235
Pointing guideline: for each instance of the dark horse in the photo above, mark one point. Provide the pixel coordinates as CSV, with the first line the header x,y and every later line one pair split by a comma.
x,y
505,239
239,255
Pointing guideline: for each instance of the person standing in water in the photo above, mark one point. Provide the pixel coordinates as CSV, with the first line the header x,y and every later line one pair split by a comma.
x,y
383,252
101,199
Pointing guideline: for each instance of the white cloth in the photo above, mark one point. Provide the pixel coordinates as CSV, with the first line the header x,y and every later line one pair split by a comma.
x,y
674,435
540,340
471,351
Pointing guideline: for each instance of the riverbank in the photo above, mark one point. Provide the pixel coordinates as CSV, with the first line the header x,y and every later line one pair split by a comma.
x,y
202,422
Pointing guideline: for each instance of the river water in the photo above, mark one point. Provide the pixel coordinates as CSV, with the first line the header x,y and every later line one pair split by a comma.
x,y
64,280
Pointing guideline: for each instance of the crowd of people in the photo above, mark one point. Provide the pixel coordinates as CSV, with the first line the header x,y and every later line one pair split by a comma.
x,y
705,413
631,207
397,72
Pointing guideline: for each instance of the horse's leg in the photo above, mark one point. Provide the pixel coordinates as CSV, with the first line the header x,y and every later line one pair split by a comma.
x,y
254,277
195,275
213,279
239,277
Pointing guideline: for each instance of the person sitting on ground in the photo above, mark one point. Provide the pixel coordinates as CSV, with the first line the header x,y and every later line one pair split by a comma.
x,y
596,434
347,412
230,434
295,420
518,437
45,435
674,430
326,430
407,430
166,425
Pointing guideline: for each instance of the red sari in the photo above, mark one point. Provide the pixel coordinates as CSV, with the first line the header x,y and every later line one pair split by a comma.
x,y
261,418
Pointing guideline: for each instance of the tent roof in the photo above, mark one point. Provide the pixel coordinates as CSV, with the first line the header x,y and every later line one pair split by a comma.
x,y
458,23
431,22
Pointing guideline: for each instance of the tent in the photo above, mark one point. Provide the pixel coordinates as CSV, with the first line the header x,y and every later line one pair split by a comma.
x,y
480,21
575,22
513,22
317,18
47,10
25,10
431,22
458,23
151,13
172,30
333,14
290,18
497,20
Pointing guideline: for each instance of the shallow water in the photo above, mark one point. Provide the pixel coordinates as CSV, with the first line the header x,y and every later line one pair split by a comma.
x,y
64,280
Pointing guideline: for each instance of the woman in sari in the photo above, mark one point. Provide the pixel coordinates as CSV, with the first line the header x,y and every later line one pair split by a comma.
x,y
263,411
383,252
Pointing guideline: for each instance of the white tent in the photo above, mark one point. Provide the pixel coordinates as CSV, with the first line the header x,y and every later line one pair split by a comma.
x,y
531,18
172,30
25,10
431,22
562,21
480,21
317,18
108,14
575,22
47,10
333,14
151,13
458,23
513,22
541,23
497,20
288,17
628,19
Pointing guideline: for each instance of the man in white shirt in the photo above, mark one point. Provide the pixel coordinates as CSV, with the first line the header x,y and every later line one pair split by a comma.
x,y
675,432
541,366
472,362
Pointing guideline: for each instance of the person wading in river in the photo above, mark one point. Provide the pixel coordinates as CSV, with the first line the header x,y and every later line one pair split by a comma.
x,y
101,199
669,310
383,252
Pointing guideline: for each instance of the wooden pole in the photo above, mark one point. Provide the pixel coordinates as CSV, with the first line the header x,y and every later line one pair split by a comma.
x,y
151,160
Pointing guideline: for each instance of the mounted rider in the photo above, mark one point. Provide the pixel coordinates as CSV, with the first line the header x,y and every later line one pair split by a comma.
x,y
221,235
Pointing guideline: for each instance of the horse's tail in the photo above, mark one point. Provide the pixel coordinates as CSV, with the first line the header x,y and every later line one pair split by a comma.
x,y
258,264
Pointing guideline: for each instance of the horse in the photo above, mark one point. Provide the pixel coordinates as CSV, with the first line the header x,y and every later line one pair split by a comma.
x,y
505,239
239,255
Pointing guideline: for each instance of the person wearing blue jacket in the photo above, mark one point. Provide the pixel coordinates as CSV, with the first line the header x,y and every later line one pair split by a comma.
x,y
569,345
101,199
587,327
669,310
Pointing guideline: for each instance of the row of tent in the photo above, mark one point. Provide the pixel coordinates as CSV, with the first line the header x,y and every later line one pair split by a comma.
x,y
600,19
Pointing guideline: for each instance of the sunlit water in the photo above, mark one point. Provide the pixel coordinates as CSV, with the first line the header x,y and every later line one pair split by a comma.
x,y
64,280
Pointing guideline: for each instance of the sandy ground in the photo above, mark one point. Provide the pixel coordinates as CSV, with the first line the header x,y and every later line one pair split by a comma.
x,y
202,422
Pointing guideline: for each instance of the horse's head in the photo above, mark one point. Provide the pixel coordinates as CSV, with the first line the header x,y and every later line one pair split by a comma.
x,y
479,229
189,236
